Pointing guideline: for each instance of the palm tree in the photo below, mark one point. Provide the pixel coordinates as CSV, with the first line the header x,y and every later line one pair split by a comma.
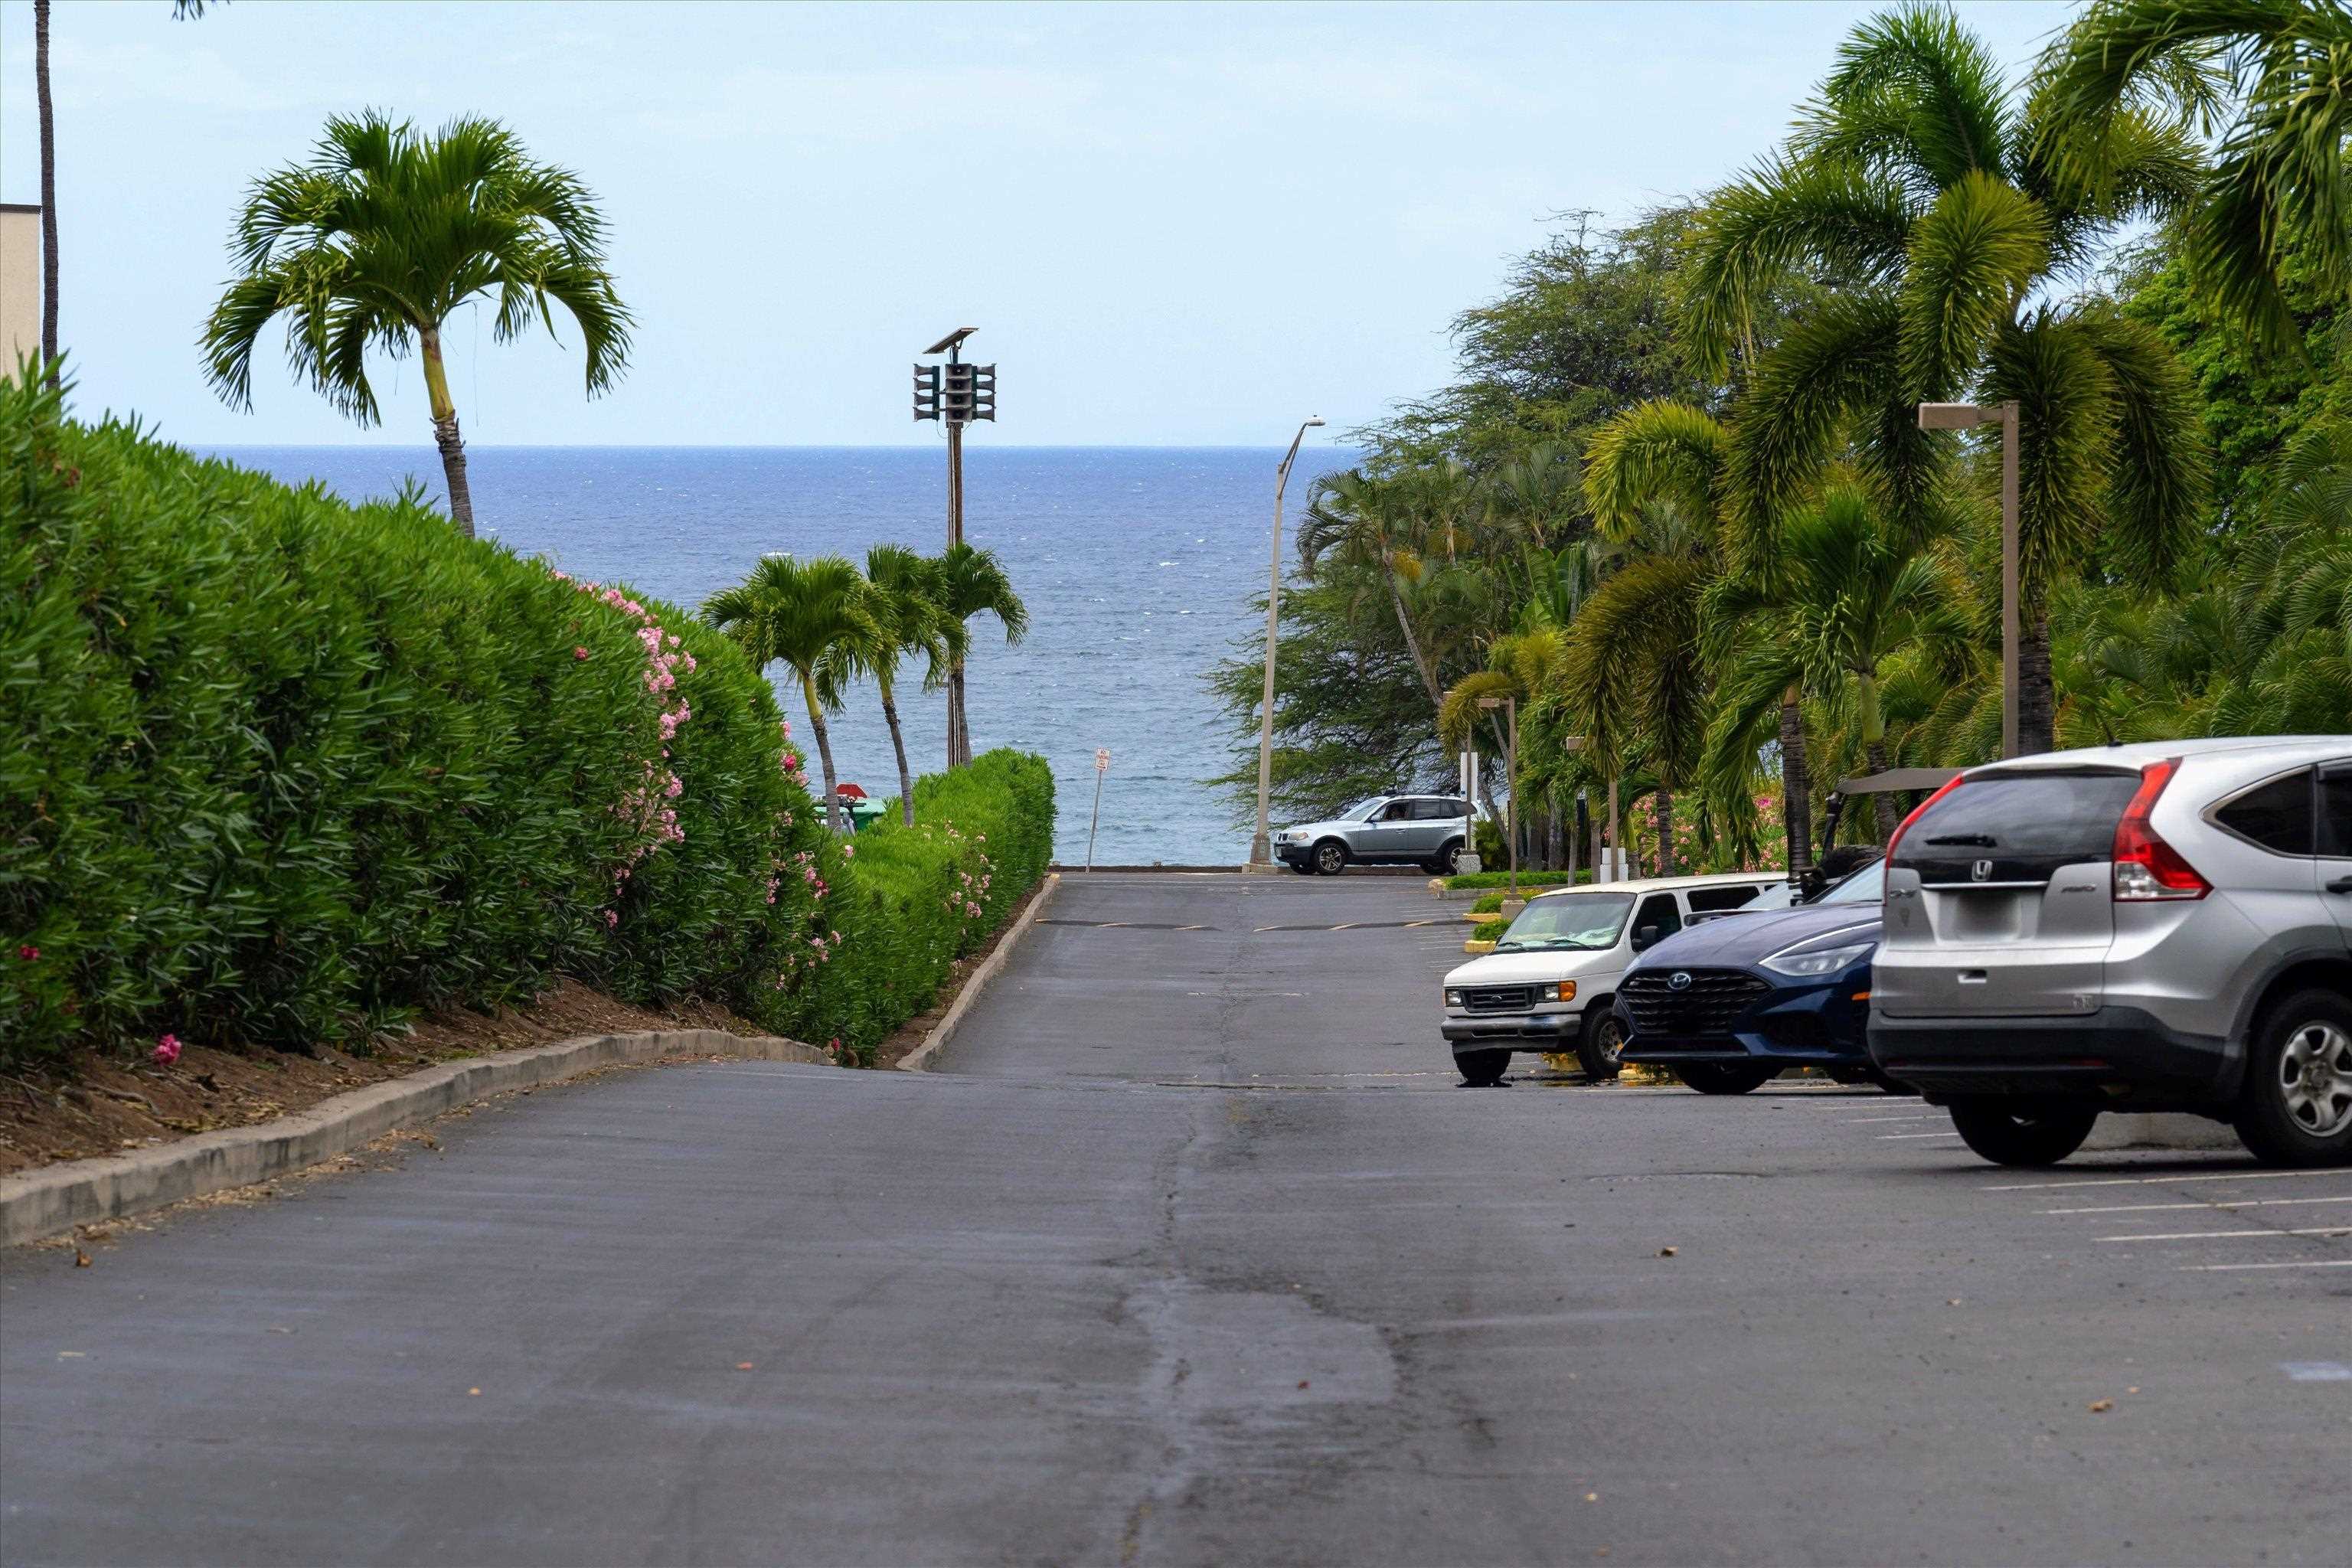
x,y
382,235
2286,67
807,614
970,582
1849,593
1941,211
49,188
902,599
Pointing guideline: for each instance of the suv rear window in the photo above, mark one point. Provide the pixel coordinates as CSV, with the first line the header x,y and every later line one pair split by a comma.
x,y
2025,824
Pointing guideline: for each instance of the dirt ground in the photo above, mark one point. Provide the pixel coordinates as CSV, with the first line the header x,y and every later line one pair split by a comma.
x,y
107,1107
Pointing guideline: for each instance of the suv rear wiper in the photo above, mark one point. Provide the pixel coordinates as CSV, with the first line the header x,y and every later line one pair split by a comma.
x,y
1982,840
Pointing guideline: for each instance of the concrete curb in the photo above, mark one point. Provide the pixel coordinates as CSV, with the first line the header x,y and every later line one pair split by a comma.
x,y
56,1199
920,1059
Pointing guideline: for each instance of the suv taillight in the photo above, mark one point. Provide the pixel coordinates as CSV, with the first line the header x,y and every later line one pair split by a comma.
x,y
2146,867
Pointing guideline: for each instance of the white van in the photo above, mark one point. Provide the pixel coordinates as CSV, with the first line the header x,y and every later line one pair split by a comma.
x,y
1550,984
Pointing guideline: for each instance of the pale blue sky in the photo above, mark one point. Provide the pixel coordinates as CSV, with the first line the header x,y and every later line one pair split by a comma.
x,y
1173,225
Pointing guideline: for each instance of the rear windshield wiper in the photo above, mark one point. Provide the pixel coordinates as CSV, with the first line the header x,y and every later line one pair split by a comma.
x,y
1982,840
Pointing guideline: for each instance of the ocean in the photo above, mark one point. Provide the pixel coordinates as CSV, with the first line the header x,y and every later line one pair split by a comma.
x,y
1138,565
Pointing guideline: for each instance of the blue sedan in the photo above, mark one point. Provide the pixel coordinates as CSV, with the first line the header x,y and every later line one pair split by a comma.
x,y
1729,1003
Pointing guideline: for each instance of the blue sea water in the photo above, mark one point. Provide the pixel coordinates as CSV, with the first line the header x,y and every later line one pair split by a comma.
x,y
1138,565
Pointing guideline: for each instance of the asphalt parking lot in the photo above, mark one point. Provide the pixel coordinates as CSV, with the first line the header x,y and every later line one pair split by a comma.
x,y
1195,1254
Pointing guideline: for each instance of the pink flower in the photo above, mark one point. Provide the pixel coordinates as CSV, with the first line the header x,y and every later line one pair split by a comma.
x,y
167,1050
612,919
849,851
580,653
29,954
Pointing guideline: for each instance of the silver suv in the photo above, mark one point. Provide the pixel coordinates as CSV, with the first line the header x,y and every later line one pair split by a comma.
x,y
2156,927
1426,830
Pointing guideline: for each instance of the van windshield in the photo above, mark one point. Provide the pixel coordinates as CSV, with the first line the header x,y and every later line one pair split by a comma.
x,y
1590,922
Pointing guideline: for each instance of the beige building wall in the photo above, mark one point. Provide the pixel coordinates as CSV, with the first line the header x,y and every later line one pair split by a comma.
x,y
20,285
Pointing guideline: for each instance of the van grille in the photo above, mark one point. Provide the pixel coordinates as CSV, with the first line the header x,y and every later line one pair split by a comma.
x,y
1702,1011
1497,998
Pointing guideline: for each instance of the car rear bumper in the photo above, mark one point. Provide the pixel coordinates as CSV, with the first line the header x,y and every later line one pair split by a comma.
x,y
2120,1055
1520,1031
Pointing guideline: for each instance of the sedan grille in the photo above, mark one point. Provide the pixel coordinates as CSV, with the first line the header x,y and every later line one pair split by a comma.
x,y
1703,1009
1498,998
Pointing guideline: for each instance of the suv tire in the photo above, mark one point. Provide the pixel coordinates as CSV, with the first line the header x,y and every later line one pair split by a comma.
x,y
1331,858
1482,1070
2008,1130
1724,1078
2296,1106
1446,861
1597,1048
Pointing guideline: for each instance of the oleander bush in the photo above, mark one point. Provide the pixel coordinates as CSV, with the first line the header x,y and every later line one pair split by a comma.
x,y
278,770
1503,879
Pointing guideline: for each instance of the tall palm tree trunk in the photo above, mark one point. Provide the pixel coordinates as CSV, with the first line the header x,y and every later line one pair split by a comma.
x,y
444,434
48,189
1412,645
1882,802
2037,695
1796,785
824,753
899,744
1664,802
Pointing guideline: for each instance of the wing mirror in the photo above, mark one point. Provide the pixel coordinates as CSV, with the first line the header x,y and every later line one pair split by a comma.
x,y
1647,936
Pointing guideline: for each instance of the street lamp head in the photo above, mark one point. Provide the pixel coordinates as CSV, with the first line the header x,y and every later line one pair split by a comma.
x,y
1314,421
1955,415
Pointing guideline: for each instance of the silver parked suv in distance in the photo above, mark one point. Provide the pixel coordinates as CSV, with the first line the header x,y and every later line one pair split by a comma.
x,y
2151,927
1426,830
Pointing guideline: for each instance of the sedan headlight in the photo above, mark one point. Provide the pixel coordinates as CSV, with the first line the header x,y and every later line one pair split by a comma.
x,y
1820,961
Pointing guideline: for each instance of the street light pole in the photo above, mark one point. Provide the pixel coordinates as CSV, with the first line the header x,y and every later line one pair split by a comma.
x,y
1965,416
1510,707
1261,857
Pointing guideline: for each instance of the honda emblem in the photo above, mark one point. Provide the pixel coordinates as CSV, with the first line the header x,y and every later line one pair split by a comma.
x,y
1981,870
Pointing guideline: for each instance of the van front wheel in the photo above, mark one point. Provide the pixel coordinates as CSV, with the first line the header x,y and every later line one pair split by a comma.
x,y
2016,1132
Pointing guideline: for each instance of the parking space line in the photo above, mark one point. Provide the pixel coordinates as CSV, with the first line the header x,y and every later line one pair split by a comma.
x,y
1864,1120
2228,1235
2235,1268
1884,1136
2145,1180
2224,1205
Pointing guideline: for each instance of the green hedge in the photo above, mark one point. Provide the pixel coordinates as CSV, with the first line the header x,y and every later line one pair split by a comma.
x,y
1503,879
283,770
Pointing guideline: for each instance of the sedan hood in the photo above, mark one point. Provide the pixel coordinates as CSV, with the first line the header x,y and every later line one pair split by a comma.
x,y
1743,940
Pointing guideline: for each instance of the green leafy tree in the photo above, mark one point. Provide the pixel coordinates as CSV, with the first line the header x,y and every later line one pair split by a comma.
x,y
1945,211
970,582
2282,71
381,236
810,615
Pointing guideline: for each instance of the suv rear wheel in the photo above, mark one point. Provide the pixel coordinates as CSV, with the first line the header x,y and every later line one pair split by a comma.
x,y
2296,1107
2015,1131
1446,861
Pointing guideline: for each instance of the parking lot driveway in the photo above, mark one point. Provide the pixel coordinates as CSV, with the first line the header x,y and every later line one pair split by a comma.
x,y
1222,1294
1224,978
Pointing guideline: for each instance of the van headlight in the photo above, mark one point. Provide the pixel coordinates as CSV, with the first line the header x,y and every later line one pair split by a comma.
x,y
1559,991
1453,997
1820,961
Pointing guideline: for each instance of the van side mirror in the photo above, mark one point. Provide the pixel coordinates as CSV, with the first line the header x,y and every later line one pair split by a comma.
x,y
1647,936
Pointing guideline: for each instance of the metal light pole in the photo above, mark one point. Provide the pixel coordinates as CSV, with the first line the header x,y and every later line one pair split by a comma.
x,y
1260,855
1102,766
1966,417
1510,706
955,394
